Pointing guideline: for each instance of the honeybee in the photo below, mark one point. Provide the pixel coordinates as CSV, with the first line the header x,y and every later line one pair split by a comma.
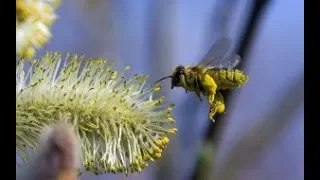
x,y
215,72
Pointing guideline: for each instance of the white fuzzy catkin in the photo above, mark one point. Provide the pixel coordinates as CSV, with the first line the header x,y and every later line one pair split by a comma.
x,y
120,125
33,22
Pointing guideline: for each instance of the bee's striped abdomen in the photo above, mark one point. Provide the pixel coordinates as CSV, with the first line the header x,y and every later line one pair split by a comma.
x,y
228,78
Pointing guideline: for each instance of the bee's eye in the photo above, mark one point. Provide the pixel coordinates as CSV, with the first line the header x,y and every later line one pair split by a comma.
x,y
176,77
180,70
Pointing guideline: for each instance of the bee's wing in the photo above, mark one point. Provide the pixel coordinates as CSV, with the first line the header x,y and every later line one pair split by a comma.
x,y
230,62
216,55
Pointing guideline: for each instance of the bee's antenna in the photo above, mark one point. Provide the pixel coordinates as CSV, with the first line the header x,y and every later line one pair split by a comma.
x,y
162,79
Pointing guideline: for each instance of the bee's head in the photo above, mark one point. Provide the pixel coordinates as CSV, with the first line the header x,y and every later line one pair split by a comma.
x,y
176,76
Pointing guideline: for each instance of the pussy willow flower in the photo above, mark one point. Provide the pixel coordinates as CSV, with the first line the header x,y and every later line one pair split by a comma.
x,y
33,21
120,126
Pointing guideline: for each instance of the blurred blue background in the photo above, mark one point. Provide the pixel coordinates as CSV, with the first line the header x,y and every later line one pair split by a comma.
x,y
153,37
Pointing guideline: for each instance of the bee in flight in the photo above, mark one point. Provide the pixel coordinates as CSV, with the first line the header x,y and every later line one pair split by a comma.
x,y
215,72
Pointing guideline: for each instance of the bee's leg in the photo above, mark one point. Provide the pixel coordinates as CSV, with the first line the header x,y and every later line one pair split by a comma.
x,y
197,91
217,106
210,87
198,94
